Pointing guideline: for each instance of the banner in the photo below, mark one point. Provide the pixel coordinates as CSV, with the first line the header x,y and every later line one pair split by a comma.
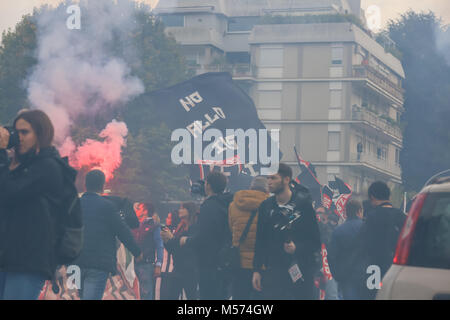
x,y
214,121
327,197
122,286
308,178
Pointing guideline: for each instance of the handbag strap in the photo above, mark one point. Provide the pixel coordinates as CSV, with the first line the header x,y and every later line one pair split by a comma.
x,y
247,227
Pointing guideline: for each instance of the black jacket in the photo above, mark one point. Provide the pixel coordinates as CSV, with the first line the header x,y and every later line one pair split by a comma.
x,y
28,227
183,261
376,244
269,248
125,207
102,224
342,247
212,232
378,237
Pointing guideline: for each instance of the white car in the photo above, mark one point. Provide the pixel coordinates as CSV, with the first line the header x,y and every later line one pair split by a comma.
x,y
421,269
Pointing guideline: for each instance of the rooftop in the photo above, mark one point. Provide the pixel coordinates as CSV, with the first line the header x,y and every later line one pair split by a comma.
x,y
236,8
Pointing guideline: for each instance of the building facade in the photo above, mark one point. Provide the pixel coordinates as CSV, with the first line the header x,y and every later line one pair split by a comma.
x,y
313,70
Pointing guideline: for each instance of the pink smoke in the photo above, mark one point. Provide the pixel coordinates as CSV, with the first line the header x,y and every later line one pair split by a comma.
x,y
102,155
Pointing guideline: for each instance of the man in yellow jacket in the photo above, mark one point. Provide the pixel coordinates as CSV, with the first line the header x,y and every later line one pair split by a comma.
x,y
239,213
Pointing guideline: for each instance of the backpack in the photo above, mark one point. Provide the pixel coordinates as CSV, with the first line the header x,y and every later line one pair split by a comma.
x,y
69,216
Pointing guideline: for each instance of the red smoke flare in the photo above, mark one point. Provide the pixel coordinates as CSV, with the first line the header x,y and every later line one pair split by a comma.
x,y
102,155
141,211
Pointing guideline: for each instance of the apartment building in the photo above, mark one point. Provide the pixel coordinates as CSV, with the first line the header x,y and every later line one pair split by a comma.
x,y
313,70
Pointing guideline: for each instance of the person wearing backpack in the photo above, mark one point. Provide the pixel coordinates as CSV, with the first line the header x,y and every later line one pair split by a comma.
x,y
102,225
210,236
242,218
28,225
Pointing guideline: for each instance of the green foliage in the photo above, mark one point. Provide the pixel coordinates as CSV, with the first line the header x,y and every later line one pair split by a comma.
x,y
319,18
426,145
388,45
16,61
146,172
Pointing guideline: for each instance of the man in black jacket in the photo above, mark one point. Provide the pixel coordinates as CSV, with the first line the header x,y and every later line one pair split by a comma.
x,y
102,225
210,236
287,241
377,240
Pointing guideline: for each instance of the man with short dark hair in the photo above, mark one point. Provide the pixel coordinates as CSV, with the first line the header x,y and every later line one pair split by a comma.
x,y
378,237
287,240
102,224
148,237
210,235
342,247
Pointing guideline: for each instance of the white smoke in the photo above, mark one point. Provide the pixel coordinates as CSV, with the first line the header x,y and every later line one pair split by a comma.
x,y
76,73
443,42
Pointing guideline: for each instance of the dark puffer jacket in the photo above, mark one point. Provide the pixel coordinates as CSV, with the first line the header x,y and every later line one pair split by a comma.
x,y
27,226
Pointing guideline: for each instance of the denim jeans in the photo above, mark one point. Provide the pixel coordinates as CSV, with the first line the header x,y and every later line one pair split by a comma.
x,y
20,286
331,290
93,284
144,272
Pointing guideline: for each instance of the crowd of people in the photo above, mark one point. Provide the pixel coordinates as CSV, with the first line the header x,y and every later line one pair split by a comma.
x,y
276,234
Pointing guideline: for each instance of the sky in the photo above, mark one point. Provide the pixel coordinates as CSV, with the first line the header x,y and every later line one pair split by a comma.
x,y
392,9
11,11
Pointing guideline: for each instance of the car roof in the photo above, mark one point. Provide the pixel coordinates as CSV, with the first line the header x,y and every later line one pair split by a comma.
x,y
438,186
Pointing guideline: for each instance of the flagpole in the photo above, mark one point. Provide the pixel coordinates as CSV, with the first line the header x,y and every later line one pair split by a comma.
x,y
297,157
404,203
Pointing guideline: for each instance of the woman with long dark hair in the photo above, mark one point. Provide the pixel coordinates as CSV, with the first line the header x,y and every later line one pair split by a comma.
x,y
28,227
185,271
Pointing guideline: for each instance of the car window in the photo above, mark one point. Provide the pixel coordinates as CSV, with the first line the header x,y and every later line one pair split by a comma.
x,y
431,242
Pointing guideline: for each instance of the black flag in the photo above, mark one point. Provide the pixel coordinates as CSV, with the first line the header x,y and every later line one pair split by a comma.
x,y
308,178
214,101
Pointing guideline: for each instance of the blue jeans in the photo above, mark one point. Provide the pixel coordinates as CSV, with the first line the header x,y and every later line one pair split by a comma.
x,y
144,272
349,291
93,284
20,286
331,290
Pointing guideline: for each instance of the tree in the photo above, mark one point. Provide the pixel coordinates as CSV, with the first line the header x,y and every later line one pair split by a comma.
x,y
426,144
16,61
146,172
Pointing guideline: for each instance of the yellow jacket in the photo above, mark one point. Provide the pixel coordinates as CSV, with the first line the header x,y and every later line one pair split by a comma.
x,y
239,212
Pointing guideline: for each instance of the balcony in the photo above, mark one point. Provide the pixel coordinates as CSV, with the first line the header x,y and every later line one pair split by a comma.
x,y
367,72
379,124
196,36
371,160
236,70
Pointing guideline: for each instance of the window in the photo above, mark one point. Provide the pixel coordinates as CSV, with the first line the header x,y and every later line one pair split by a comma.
x,y
334,141
270,99
271,57
337,55
335,99
381,153
238,57
431,243
173,20
237,24
397,156
336,72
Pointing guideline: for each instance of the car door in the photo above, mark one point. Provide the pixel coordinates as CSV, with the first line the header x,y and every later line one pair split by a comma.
x,y
427,273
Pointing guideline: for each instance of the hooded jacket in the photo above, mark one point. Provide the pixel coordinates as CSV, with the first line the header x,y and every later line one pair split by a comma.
x,y
28,227
239,213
